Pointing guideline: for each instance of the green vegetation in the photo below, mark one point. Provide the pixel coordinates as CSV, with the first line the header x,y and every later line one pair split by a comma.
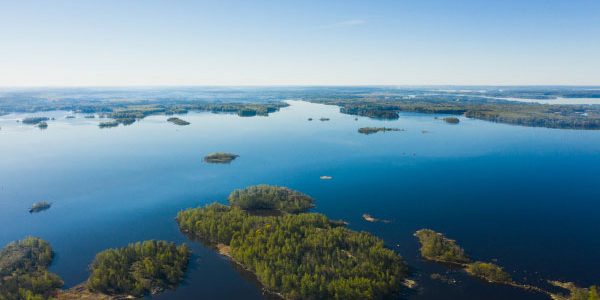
x,y
34,120
270,197
525,114
108,124
451,120
24,271
139,269
435,246
489,272
178,121
40,206
575,292
300,256
220,158
371,130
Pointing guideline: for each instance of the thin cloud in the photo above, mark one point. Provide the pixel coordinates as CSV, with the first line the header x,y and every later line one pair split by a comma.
x,y
347,23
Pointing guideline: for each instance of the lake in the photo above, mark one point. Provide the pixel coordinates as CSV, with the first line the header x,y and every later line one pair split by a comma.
x,y
527,198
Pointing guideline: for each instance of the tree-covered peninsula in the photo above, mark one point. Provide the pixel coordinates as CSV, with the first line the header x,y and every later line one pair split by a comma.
x,y
436,247
300,256
575,292
271,197
139,269
24,271
488,271
495,110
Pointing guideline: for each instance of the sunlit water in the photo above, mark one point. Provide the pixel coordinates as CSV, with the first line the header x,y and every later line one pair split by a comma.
x,y
527,198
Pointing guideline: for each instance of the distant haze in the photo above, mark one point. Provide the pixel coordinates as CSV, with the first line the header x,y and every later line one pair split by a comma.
x,y
148,43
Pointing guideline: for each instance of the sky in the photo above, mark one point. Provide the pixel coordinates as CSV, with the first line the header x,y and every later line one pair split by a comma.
x,y
304,42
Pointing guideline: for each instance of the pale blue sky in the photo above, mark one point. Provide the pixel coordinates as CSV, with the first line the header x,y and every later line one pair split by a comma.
x,y
119,43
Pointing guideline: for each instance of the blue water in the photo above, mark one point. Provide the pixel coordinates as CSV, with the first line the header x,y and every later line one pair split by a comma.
x,y
527,198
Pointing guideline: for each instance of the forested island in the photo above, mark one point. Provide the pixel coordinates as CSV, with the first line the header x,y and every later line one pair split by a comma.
x,y
220,157
436,247
128,112
139,269
34,120
24,270
371,130
451,120
299,256
178,121
127,106
526,114
132,271
270,197
108,124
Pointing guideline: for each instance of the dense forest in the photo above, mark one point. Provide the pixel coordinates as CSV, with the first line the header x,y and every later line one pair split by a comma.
x,y
271,197
24,271
138,269
526,114
300,256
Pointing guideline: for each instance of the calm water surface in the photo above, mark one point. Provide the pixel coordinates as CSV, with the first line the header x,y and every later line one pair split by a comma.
x,y
527,198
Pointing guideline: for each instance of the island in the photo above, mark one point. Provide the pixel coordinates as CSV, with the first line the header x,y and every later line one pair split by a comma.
x,y
451,120
40,206
138,269
42,125
220,158
324,119
574,292
489,272
299,256
371,130
260,197
34,120
108,124
436,247
133,271
24,270
369,218
178,121
565,116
